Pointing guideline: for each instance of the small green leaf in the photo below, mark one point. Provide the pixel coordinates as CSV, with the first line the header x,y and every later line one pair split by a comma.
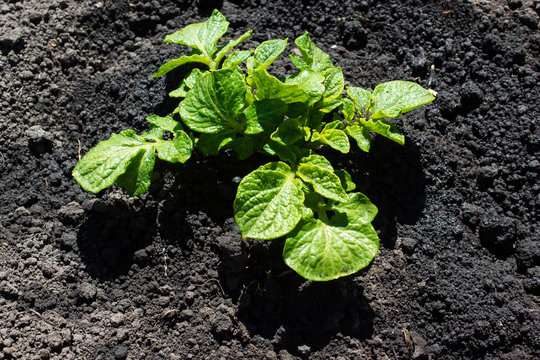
x,y
322,251
335,138
264,115
188,83
359,209
202,36
270,87
138,175
326,106
315,58
393,98
317,171
384,128
266,53
229,46
346,180
347,108
236,58
310,82
276,166
164,123
214,102
268,203
298,62
285,153
173,64
211,144
361,98
109,159
243,147
176,151
361,135
333,84
289,132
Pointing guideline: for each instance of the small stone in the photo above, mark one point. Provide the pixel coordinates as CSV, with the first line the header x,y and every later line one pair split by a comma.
x,y
189,296
54,341
408,245
71,213
44,354
26,74
39,140
117,319
304,349
515,4
11,37
121,352
86,292
497,232
471,95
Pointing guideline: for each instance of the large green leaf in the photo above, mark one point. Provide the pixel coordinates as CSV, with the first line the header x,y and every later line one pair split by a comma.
x,y
393,98
333,84
268,203
211,144
270,87
325,182
326,250
359,209
310,82
264,115
109,159
284,152
315,58
202,36
173,64
361,135
265,54
214,102
361,98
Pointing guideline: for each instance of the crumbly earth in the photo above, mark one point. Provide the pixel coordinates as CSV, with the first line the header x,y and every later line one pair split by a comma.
x,y
167,275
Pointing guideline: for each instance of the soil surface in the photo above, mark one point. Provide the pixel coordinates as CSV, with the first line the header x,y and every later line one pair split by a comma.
x,y
166,275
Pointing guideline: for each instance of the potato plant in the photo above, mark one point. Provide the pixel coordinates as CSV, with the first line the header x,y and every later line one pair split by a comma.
x,y
231,101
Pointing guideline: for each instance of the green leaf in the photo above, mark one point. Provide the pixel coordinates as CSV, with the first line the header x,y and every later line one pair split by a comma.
x,y
276,166
335,138
315,58
270,87
333,84
346,180
187,83
211,144
319,174
326,106
361,98
310,82
109,159
285,153
173,64
264,115
202,36
266,53
214,102
347,108
268,203
229,46
243,147
317,160
359,209
393,98
138,175
361,135
289,132
384,128
176,151
323,251
164,123
298,62
236,58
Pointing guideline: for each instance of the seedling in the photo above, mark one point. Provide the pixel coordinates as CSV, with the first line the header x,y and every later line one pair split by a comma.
x,y
232,102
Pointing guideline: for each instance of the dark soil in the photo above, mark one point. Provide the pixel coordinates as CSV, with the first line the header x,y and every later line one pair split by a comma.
x,y
167,276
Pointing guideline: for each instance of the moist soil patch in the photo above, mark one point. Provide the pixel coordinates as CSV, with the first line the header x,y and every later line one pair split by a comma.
x,y
166,275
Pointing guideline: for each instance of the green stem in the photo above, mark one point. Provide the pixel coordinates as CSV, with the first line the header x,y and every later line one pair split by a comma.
x,y
322,213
